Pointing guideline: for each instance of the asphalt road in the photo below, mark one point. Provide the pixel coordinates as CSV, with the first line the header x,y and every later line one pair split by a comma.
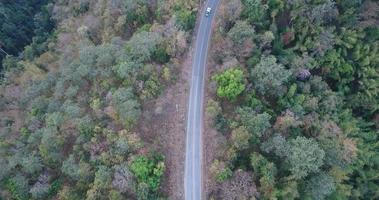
x,y
193,170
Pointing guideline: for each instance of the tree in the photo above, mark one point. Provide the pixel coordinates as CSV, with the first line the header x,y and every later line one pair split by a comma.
x,y
185,19
230,83
240,138
121,145
213,108
266,171
128,69
70,168
255,123
148,171
160,55
80,172
101,184
241,32
123,179
230,11
127,107
31,164
239,186
137,11
71,109
269,77
50,146
18,187
254,11
304,157
319,186
5,168
276,144
142,45
41,188
67,193
323,13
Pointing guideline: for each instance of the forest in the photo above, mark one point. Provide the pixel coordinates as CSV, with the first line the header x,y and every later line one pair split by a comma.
x,y
295,100
24,23
293,95
74,87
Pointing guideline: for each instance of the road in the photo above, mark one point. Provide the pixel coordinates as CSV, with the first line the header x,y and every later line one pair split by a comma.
x,y
193,170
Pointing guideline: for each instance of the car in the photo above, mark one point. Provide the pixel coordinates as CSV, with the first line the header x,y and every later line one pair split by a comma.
x,y
208,11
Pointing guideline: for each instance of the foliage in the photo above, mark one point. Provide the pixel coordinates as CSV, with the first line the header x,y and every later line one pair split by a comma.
x,y
240,138
254,11
310,103
241,32
137,12
320,186
148,172
24,22
266,171
255,123
185,19
304,157
71,110
239,186
223,175
126,106
269,77
142,45
18,187
230,83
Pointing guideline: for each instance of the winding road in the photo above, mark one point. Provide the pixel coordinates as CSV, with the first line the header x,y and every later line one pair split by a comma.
x,y
193,169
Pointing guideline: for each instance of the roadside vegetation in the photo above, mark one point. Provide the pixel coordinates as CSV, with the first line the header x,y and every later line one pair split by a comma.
x,y
296,100
69,109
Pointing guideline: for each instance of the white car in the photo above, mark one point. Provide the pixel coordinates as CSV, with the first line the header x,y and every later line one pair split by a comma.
x,y
208,11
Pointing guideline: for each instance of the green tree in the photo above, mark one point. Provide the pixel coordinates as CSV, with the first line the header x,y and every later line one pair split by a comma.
x,y
148,171
31,164
18,187
41,188
185,19
319,186
266,171
240,138
255,11
127,107
142,45
101,184
50,146
241,32
276,144
255,123
269,77
304,157
230,83
137,11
